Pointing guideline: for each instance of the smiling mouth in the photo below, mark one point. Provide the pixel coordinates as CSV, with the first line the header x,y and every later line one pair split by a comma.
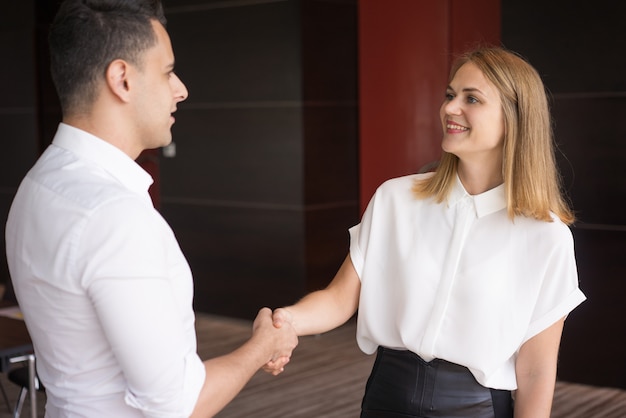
x,y
455,127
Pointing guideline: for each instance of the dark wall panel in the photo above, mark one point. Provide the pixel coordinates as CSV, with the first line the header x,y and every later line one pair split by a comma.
x,y
242,258
327,242
593,158
329,51
17,28
20,147
237,52
330,155
241,155
576,46
17,105
330,126
595,333
263,185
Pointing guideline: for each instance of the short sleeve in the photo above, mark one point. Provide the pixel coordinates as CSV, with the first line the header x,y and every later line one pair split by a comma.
x,y
359,237
559,293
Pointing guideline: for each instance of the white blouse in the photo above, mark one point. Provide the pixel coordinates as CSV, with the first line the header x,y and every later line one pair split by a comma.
x,y
459,280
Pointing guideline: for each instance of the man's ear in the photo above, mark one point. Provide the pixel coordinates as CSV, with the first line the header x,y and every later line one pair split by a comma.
x,y
117,79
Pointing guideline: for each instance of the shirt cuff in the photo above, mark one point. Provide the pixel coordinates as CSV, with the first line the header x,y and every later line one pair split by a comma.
x,y
574,299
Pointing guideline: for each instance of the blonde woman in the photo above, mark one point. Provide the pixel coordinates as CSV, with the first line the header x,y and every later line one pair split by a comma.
x,y
462,277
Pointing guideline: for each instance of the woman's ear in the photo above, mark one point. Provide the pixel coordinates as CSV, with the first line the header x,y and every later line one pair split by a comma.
x,y
117,79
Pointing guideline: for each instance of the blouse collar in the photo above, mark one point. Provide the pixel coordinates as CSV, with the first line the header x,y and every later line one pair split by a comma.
x,y
485,203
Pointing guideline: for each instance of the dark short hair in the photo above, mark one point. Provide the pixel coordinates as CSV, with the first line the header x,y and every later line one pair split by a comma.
x,y
87,35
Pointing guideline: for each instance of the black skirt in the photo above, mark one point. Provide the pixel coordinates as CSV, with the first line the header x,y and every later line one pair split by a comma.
x,y
403,385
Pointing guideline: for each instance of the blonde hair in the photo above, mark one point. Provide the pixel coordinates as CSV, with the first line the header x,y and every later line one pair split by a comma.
x,y
531,179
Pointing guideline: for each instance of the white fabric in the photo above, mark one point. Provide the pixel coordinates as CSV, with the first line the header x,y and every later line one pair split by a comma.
x,y
459,280
105,290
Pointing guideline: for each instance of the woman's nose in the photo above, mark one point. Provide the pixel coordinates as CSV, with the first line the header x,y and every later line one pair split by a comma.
x,y
451,107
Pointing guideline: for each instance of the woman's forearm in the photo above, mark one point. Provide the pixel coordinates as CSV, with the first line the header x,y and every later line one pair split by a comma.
x,y
329,308
535,369
533,398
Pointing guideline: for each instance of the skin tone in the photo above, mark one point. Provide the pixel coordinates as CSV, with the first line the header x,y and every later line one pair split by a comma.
x,y
135,107
473,126
134,112
227,375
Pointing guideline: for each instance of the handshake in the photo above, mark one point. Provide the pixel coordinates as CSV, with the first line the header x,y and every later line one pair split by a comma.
x,y
318,312
276,333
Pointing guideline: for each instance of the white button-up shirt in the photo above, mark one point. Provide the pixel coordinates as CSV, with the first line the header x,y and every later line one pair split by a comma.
x,y
105,290
459,280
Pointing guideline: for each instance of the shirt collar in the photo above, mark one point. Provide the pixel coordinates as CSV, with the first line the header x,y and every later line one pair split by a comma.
x,y
107,156
485,203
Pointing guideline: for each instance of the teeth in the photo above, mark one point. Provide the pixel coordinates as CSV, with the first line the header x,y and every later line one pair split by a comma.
x,y
457,127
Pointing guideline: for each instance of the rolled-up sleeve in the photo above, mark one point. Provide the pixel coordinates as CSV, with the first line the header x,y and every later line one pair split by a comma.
x,y
559,292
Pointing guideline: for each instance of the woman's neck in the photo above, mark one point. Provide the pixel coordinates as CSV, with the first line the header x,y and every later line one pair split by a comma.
x,y
478,179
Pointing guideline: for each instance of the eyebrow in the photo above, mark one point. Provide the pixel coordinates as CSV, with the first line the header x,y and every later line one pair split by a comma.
x,y
469,90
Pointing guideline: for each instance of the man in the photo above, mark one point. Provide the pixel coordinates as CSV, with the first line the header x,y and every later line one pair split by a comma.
x,y
105,290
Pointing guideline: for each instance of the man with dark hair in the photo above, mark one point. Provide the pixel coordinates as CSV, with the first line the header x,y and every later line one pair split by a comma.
x,y
104,287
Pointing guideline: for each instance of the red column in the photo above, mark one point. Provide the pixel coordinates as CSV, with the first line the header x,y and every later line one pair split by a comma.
x,y
405,49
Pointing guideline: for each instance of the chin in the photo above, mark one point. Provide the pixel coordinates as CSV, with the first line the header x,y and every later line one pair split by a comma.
x,y
447,147
166,141
451,150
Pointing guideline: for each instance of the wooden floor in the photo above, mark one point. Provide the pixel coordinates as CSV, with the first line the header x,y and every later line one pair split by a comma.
x,y
327,375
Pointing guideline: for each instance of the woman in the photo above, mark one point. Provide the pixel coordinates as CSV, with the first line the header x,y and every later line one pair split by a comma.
x,y
462,277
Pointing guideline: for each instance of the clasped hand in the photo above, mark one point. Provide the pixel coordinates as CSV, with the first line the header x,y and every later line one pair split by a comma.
x,y
281,319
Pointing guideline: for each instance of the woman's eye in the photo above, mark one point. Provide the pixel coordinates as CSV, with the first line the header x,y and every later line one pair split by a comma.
x,y
471,99
449,96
